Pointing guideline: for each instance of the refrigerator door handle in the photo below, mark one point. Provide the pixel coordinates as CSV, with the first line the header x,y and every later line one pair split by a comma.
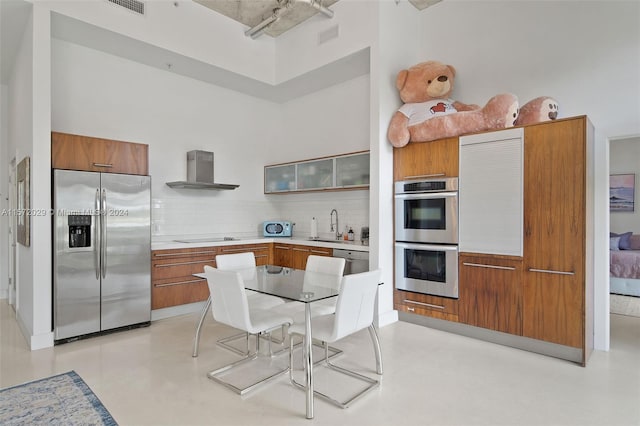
x,y
103,233
96,235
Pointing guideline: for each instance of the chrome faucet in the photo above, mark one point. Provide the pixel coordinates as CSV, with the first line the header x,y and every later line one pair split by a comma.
x,y
335,227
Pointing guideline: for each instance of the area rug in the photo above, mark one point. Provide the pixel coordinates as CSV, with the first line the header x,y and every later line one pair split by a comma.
x,y
64,399
624,305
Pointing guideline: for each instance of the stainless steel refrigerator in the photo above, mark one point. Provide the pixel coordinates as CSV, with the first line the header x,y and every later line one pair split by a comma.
x,y
101,253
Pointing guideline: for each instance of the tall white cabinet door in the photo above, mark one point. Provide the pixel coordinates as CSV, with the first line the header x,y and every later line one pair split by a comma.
x,y
491,192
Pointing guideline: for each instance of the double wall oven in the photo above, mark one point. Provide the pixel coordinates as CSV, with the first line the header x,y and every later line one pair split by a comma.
x,y
426,236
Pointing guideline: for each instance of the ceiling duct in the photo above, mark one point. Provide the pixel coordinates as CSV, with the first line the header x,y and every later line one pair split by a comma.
x,y
287,5
133,5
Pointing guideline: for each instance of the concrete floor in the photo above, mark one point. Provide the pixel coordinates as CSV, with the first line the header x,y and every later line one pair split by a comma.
x,y
148,377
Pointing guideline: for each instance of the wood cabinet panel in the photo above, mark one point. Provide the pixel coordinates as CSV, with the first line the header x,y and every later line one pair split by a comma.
x,y
426,159
171,276
75,152
282,255
423,304
554,230
261,252
491,292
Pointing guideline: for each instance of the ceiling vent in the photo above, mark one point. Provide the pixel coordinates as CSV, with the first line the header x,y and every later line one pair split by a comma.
x,y
133,5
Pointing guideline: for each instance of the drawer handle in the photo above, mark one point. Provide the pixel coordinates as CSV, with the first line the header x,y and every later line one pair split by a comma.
x,y
179,283
424,304
410,309
299,249
183,253
236,250
426,176
283,247
319,251
102,165
261,255
547,271
184,263
480,265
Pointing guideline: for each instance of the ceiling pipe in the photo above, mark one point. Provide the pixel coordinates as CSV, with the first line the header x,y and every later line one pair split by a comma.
x,y
259,29
317,5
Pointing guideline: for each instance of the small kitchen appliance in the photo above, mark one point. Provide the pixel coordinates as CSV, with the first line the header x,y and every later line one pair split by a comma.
x,y
277,228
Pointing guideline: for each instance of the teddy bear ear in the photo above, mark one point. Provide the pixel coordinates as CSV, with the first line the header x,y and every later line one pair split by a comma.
x,y
401,79
452,69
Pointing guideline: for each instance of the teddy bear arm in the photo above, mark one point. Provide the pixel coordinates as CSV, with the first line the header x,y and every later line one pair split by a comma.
x,y
398,133
465,107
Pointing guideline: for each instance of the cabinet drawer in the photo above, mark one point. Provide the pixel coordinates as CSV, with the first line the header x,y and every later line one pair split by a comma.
x,y
262,252
422,304
180,263
426,159
178,291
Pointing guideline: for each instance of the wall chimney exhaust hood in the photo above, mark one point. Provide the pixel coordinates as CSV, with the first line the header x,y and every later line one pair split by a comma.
x,y
200,173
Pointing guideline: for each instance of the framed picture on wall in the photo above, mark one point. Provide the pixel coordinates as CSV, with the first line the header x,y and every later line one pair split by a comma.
x,y
23,193
621,192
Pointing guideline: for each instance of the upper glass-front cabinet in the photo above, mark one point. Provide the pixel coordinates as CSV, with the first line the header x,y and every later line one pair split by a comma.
x,y
348,171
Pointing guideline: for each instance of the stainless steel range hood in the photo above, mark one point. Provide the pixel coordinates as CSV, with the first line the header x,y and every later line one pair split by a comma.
x,y
200,173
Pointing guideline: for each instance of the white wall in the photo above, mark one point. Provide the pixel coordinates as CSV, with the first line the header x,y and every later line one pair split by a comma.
x,y
101,95
624,158
28,122
4,192
585,54
189,29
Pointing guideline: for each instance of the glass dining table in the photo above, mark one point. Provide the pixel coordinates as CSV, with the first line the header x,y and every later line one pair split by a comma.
x,y
292,285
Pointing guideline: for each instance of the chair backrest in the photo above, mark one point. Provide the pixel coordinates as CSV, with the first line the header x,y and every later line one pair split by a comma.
x,y
228,298
325,264
245,263
324,270
356,303
236,261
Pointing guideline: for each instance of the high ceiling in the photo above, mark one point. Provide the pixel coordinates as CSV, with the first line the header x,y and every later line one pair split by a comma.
x,y
274,17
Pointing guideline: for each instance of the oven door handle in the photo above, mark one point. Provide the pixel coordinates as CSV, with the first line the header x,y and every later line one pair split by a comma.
x,y
426,195
435,247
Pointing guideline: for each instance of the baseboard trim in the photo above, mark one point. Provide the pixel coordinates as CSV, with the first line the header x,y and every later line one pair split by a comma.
x,y
174,311
519,342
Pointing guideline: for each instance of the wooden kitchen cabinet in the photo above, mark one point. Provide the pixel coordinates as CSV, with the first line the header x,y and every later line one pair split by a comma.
x,y
426,159
300,253
262,252
75,152
172,281
427,305
282,255
491,292
556,303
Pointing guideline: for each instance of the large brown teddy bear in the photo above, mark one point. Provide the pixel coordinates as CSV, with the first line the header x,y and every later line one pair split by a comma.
x,y
428,113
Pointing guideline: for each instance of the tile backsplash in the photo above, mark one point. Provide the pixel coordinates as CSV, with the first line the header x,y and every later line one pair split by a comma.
x,y
213,217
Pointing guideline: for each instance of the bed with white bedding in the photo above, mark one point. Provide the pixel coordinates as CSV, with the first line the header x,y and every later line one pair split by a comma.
x,y
624,266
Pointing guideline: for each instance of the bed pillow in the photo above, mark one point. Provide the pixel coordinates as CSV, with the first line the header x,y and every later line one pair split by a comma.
x,y
634,242
625,240
614,243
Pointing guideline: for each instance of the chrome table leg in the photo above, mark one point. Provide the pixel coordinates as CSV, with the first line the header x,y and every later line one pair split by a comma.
x,y
196,338
376,348
308,359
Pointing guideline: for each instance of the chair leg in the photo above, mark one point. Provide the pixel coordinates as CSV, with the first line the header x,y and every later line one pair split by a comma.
x,y
376,348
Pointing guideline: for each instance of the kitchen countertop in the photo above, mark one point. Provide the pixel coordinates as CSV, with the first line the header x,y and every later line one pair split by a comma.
x,y
164,243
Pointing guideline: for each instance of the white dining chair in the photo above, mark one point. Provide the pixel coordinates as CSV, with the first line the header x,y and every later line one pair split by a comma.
x,y
245,263
355,309
320,270
229,306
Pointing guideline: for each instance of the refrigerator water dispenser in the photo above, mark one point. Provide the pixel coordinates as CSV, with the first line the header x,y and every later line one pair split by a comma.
x,y
79,231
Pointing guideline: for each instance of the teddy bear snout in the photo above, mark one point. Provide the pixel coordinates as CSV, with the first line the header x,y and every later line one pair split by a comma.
x,y
443,78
